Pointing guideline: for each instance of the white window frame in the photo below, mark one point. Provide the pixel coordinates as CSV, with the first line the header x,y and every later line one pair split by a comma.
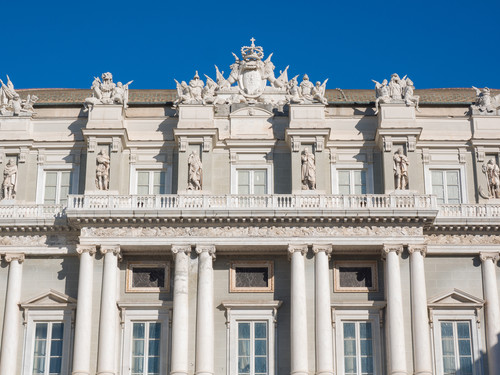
x,y
74,169
245,312
33,316
358,312
140,312
443,167
366,167
134,169
237,167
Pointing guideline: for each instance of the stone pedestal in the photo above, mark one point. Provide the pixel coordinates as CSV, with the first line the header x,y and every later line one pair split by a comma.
x,y
106,116
396,115
307,115
195,116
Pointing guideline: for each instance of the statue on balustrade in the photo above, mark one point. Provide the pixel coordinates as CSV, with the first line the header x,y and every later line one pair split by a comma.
x,y
195,172
102,170
400,167
308,171
10,180
492,172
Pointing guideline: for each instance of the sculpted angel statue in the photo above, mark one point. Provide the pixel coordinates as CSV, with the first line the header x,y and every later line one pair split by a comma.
x,y
120,93
183,93
194,172
102,170
409,98
10,180
208,92
483,100
294,91
400,167
308,171
382,94
319,92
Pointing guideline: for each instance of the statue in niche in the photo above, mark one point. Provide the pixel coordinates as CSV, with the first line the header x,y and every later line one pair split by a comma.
x,y
102,170
308,171
400,166
492,172
195,172
10,180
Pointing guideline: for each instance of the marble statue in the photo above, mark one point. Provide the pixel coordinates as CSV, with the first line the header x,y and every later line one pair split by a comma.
x,y
195,172
485,104
107,92
308,171
252,80
492,172
396,87
381,93
11,103
102,170
409,97
400,167
397,90
10,180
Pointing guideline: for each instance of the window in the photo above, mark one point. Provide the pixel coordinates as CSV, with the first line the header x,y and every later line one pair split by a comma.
x,y
355,276
358,348
148,277
252,181
456,345
145,337
47,348
57,187
352,182
446,186
256,276
251,337
150,182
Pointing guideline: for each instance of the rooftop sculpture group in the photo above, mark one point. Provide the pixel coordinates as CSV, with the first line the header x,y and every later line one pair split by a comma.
x,y
485,104
251,74
396,91
11,103
107,92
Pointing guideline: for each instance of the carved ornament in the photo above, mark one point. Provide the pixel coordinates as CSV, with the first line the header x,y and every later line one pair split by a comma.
x,y
293,248
91,249
422,249
386,249
462,239
210,249
493,256
9,257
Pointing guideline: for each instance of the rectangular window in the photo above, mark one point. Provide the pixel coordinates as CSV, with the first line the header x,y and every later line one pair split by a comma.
x,y
251,276
355,276
146,343
352,182
57,187
446,186
456,345
358,348
252,181
148,277
48,348
150,182
252,348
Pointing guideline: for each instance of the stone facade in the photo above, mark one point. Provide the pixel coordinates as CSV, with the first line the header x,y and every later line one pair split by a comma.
x,y
252,225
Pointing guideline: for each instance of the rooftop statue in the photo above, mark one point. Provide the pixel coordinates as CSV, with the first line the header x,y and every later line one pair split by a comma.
x,y
11,103
397,90
252,80
485,104
107,92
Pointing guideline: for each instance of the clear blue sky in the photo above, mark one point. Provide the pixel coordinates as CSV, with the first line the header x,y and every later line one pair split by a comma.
x,y
67,43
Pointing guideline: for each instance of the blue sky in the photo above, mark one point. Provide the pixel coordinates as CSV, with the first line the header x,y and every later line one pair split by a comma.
x,y
66,43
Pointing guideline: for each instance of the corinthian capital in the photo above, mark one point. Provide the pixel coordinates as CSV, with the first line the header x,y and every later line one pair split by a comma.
x,y
422,249
9,257
91,249
210,249
386,249
489,255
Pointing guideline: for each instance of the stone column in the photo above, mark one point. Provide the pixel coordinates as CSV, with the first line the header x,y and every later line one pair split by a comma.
x,y
10,333
324,345
180,318
205,311
298,326
83,321
492,310
420,320
395,320
107,323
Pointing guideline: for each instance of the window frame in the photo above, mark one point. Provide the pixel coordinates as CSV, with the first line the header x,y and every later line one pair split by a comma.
x,y
246,312
366,167
134,176
42,176
450,167
373,264
235,168
140,312
147,264
251,264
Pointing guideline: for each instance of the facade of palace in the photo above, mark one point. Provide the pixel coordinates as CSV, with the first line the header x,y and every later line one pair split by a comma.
x,y
249,225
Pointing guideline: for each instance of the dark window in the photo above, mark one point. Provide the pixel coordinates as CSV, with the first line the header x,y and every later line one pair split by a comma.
x,y
148,277
252,277
355,277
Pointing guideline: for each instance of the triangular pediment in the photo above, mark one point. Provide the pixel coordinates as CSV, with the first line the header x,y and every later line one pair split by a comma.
x,y
456,297
52,298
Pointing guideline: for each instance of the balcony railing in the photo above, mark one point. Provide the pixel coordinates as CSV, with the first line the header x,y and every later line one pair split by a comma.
x,y
32,211
469,210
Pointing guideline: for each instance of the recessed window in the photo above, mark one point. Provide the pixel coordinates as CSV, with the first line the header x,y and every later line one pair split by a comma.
x,y
146,344
358,348
48,348
150,182
446,186
352,276
147,277
253,348
57,187
251,277
352,182
252,181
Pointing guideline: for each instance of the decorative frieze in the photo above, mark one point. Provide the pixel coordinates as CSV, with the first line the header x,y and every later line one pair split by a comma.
x,y
462,239
39,240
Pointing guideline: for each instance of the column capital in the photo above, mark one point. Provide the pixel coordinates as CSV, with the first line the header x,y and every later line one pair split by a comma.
x,y
210,249
387,248
115,249
181,249
91,249
323,248
422,249
489,255
9,257
296,248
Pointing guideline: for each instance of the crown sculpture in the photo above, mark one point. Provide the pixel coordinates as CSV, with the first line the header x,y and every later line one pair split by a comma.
x,y
251,74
